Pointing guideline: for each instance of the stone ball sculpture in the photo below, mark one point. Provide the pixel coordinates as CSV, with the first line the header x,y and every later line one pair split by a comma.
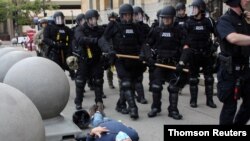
x,y
5,50
43,81
9,59
20,120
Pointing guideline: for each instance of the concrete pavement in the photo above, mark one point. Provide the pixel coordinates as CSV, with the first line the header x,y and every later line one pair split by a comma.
x,y
149,128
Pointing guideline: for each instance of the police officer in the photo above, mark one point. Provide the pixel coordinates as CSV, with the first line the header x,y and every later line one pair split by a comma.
x,y
233,73
144,28
111,17
181,16
127,39
38,40
58,37
168,40
199,30
91,66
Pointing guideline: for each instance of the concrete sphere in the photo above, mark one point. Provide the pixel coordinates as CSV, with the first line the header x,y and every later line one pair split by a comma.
x,y
6,50
1,42
9,59
43,81
20,120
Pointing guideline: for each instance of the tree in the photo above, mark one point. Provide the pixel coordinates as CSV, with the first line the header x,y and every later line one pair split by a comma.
x,y
22,11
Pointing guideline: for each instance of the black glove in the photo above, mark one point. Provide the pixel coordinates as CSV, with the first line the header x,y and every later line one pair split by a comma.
x,y
179,67
112,57
151,63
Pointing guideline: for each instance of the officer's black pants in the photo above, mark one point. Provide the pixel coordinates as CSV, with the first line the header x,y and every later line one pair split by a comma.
x,y
89,69
226,85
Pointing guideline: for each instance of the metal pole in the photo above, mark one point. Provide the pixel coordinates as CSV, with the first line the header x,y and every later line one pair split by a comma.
x,y
72,18
44,14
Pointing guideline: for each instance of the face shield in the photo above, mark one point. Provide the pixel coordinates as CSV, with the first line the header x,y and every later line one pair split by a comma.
x,y
82,22
92,22
126,18
181,13
59,20
193,10
138,17
166,21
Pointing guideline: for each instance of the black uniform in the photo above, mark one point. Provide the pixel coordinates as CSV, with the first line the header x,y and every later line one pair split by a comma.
x,y
167,40
91,65
199,40
127,39
58,38
233,74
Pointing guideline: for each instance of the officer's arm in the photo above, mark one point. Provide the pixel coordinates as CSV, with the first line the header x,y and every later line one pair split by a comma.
x,y
226,31
47,38
104,43
238,39
148,45
81,39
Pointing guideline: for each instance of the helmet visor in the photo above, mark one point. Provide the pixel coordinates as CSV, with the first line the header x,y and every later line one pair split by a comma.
x,y
126,18
138,17
59,20
165,21
92,21
82,22
193,10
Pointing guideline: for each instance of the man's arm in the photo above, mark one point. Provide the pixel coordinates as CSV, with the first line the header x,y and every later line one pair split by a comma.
x,y
238,39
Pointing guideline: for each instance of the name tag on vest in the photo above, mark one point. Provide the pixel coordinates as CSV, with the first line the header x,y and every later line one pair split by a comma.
x,y
61,31
199,28
166,34
181,23
129,31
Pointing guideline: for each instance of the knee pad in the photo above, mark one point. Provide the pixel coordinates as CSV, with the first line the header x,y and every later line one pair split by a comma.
x,y
173,89
79,83
157,88
98,82
126,85
193,81
209,80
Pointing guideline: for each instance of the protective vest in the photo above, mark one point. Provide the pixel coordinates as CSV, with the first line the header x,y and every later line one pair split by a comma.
x,y
168,43
181,21
241,26
126,39
91,51
199,34
62,36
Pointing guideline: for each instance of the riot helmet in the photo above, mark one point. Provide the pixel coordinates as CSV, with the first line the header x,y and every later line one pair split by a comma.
x,y
180,9
138,14
58,18
43,22
80,19
197,7
81,118
126,12
92,17
167,16
112,16
232,3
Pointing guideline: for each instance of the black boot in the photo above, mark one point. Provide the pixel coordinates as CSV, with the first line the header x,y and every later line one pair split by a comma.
x,y
173,100
110,78
140,92
79,93
156,106
133,110
121,105
209,94
194,94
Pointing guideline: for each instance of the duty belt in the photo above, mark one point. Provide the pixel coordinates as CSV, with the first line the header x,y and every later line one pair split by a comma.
x,y
166,61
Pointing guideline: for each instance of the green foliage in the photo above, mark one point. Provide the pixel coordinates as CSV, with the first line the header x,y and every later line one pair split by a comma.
x,y
22,11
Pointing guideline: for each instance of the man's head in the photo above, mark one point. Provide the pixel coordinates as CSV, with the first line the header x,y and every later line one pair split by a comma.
x,y
138,14
58,18
180,9
92,17
112,16
43,22
198,7
167,16
80,19
240,4
126,13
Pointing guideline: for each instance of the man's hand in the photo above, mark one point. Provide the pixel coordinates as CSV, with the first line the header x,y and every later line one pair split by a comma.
x,y
72,62
179,67
97,131
112,57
